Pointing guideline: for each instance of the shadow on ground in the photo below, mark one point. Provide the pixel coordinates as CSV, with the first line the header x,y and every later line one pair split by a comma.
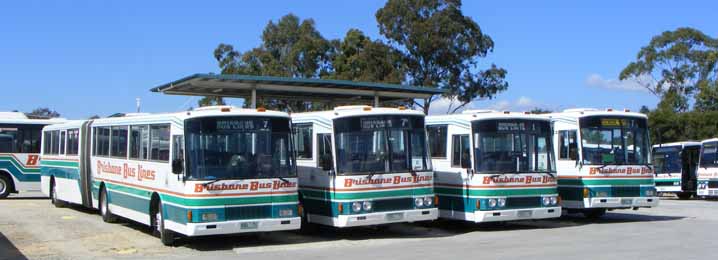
x,y
8,250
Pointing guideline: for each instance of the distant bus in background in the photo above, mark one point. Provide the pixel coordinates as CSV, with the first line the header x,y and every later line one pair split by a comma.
x,y
20,152
708,169
675,166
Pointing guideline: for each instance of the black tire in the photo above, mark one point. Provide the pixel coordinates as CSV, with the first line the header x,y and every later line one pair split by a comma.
x,y
684,195
594,213
104,207
307,227
53,196
6,186
167,237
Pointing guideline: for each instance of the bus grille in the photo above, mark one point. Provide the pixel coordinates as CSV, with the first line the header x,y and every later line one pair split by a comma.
x,y
713,184
523,202
626,191
248,212
393,204
664,183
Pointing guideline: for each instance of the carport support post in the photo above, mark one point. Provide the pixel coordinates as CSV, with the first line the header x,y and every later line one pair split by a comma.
x,y
376,100
254,98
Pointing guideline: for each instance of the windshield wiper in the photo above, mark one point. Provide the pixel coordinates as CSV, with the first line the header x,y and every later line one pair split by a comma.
x,y
210,182
368,176
283,179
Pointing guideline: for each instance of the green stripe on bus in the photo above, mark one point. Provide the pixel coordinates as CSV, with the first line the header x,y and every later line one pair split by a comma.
x,y
580,182
494,192
365,195
60,163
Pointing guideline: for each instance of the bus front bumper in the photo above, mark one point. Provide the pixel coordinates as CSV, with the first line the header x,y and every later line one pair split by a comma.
x,y
379,218
241,226
707,192
662,189
517,214
621,202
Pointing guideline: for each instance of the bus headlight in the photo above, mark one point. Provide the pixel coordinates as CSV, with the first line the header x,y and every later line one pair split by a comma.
x,y
502,202
428,201
676,183
419,202
356,206
602,194
554,200
492,203
650,193
209,216
546,201
367,205
286,213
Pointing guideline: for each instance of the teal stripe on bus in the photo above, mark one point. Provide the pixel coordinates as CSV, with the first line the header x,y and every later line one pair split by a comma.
x,y
329,195
457,191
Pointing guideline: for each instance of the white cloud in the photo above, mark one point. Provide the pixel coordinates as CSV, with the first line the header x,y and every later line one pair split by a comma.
x,y
595,80
441,106
522,103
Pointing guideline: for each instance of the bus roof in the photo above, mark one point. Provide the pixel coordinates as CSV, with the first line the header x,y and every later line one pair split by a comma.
x,y
681,144
576,113
175,117
709,140
347,111
21,118
285,88
476,115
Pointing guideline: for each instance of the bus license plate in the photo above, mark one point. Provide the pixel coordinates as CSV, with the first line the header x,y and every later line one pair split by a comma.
x,y
249,225
626,201
524,213
394,216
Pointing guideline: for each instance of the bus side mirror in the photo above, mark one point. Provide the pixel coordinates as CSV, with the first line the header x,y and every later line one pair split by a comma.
x,y
177,166
326,162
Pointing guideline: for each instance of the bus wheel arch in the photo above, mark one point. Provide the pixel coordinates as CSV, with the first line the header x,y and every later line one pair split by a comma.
x,y
53,193
7,185
157,221
104,205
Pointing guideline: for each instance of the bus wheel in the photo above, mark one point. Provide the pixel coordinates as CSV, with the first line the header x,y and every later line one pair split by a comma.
x,y
158,224
53,195
5,187
594,213
105,212
684,195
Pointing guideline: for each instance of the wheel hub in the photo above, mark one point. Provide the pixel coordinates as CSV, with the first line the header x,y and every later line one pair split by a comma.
x,y
3,186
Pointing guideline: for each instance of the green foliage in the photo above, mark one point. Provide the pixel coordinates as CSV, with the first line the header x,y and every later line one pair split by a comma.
x,y
359,58
669,126
441,48
42,112
539,111
675,66
211,101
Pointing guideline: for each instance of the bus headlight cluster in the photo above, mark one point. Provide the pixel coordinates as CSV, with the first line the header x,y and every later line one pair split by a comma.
x,y
359,206
496,203
424,201
209,217
286,213
549,201
702,185
650,193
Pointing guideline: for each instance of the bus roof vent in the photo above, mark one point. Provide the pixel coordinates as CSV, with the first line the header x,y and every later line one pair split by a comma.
x,y
347,108
13,115
478,111
211,108
574,110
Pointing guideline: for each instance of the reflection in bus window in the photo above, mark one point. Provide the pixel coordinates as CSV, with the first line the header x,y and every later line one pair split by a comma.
x,y
613,140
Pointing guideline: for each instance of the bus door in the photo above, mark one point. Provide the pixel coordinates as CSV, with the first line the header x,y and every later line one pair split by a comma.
x,y
689,160
85,165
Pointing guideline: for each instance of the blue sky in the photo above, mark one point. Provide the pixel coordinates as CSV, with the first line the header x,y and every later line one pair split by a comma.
x,y
95,57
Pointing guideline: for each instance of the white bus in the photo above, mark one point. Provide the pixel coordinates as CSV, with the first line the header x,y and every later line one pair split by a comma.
x,y
708,169
675,165
215,170
493,166
603,161
20,152
360,165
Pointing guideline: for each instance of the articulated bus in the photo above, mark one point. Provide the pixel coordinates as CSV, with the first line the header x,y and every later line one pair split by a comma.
x,y
603,161
360,166
212,170
708,169
675,165
492,166
20,152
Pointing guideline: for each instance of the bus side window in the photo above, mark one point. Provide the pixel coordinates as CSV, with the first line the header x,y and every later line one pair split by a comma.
x,y
437,140
460,151
177,154
324,144
302,134
568,146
